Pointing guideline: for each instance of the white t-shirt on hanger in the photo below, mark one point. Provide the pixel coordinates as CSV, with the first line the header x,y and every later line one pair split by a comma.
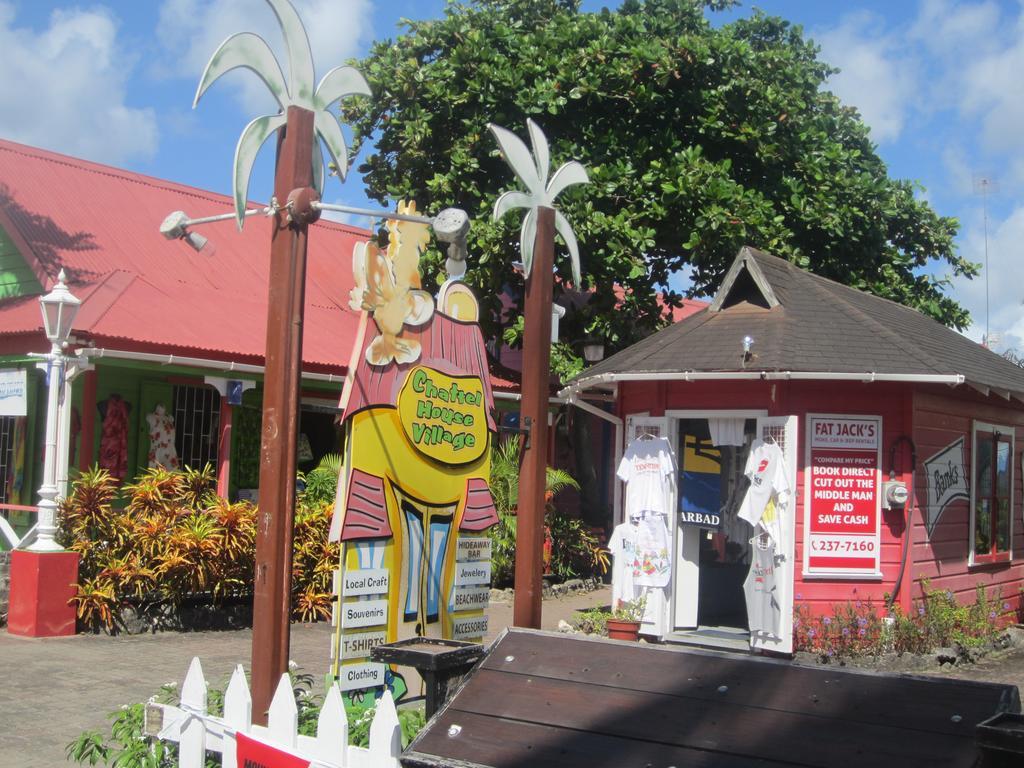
x,y
766,469
646,468
625,565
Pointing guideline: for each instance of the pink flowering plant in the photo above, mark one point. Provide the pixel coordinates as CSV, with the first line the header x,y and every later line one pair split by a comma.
x,y
937,620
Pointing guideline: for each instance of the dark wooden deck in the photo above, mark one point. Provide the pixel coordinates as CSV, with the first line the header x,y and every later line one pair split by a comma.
x,y
541,699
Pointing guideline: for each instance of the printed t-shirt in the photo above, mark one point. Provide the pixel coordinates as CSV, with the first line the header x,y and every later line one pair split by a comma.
x,y
764,613
652,551
645,468
768,477
625,565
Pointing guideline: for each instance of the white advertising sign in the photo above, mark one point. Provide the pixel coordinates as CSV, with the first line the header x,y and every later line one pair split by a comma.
x,y
946,481
469,629
472,573
364,613
13,392
472,550
358,645
367,581
355,676
470,598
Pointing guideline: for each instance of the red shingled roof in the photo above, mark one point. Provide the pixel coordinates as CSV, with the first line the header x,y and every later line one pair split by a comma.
x,y
140,291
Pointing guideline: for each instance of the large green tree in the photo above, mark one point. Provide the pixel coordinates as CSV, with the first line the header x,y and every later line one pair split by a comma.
x,y
698,139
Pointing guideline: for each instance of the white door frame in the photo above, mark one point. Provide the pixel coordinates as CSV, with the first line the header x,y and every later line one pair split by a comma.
x,y
686,568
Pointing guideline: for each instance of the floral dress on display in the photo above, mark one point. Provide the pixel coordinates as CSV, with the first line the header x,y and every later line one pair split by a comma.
x,y
162,452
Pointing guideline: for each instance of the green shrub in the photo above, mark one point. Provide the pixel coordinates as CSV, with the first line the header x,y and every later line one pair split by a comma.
x,y
592,621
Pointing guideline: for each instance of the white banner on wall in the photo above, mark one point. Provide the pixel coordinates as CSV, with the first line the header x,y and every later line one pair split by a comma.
x,y
946,477
13,392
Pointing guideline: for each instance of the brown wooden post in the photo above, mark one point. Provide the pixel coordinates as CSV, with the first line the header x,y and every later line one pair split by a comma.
x,y
272,590
526,610
87,435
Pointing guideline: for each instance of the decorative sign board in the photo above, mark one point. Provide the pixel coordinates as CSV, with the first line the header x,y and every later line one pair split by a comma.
x,y
368,581
473,550
443,416
364,613
470,598
472,573
355,676
842,518
469,629
13,392
946,480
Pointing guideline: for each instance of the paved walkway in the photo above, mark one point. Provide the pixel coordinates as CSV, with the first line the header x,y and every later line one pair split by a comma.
x,y
53,689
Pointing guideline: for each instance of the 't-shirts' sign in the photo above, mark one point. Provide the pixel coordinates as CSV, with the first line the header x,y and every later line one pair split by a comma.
x,y
13,393
946,480
843,534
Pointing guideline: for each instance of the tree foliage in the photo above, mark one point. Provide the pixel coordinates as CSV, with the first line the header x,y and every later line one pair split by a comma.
x,y
698,139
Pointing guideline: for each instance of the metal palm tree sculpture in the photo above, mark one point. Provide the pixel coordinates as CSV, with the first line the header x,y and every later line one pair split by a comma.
x,y
251,51
532,170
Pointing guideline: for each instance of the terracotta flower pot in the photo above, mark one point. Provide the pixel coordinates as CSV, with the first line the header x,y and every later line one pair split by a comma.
x,y
620,629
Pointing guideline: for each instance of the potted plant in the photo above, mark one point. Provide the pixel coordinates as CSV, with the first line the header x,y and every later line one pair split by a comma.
x,y
624,623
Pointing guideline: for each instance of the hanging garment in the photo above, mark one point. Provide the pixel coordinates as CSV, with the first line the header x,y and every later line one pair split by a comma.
x,y
646,468
726,431
162,452
764,613
769,481
114,438
652,549
625,565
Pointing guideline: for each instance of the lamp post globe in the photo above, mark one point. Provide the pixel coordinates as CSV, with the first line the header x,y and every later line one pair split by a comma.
x,y
59,308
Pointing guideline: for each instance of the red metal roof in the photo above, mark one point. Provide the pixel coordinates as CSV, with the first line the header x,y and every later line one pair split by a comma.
x,y
140,290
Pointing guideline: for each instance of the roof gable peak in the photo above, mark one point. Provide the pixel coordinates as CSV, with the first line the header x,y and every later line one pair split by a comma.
x,y
744,281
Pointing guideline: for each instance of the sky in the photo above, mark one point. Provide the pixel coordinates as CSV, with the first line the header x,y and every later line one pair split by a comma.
x,y
938,82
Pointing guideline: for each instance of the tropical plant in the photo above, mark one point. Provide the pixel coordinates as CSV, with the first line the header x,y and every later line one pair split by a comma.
x,y
175,539
699,136
321,484
631,610
250,51
575,550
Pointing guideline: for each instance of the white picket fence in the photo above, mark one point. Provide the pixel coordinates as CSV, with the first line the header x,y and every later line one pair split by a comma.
x,y
197,732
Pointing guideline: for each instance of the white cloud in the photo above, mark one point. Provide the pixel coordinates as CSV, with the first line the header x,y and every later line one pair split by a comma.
x,y
63,88
191,30
1005,291
877,76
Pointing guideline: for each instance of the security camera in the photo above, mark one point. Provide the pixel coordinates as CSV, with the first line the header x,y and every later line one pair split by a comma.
x,y
197,241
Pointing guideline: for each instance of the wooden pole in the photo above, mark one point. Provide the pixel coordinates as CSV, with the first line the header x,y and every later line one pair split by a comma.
x,y
272,589
526,610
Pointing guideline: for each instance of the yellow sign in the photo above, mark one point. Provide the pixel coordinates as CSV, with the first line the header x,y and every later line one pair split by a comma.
x,y
443,416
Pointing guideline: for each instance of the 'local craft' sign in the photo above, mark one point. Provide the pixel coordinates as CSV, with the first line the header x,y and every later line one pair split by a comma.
x,y
443,416
946,480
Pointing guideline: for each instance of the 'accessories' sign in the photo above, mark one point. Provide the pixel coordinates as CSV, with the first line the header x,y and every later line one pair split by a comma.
x,y
444,416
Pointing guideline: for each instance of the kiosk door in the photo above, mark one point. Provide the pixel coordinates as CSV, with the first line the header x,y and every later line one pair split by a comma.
x,y
783,431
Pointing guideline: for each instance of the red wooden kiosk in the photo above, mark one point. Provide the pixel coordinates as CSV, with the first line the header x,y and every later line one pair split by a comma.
x,y
864,397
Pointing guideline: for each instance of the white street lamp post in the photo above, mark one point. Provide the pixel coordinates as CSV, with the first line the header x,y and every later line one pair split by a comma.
x,y
59,309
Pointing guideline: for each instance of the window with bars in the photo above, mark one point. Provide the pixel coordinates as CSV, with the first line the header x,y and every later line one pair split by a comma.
x,y
196,424
992,504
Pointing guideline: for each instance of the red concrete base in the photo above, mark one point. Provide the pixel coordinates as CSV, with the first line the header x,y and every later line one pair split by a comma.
x,y
42,584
